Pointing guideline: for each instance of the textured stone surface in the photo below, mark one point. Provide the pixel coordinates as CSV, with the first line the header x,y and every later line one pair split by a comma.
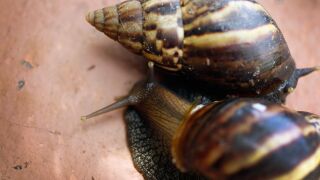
x,y
54,67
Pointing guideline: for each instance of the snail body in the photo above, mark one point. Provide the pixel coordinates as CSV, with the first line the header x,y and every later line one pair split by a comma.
x,y
234,139
230,45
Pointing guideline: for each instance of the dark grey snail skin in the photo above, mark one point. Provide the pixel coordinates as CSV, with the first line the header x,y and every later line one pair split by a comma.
x,y
149,149
150,154
277,96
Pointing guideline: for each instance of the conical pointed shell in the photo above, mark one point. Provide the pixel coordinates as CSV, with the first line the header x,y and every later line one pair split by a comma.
x,y
105,20
122,23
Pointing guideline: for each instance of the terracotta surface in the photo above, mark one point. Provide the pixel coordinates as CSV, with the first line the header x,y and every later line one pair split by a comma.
x,y
54,67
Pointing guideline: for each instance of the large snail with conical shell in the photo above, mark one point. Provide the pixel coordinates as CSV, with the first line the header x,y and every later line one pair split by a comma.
x,y
230,45
233,139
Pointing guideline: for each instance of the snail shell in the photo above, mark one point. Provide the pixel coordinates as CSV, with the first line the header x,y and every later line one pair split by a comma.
x,y
234,139
248,138
228,44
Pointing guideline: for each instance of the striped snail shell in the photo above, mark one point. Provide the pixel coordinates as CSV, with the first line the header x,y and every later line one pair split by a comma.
x,y
249,139
233,45
233,139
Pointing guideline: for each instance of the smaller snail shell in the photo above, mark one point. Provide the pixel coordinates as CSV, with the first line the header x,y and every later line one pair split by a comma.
x,y
247,138
231,139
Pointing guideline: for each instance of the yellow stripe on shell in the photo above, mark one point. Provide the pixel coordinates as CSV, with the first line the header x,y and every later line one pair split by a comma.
x,y
217,40
314,120
134,46
216,152
189,10
271,144
240,129
304,168
159,45
150,36
153,57
309,130
163,22
180,30
170,53
220,15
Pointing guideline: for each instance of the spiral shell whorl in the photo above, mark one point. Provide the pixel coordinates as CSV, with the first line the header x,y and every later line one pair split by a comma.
x,y
152,28
122,23
244,139
105,20
234,44
230,44
163,33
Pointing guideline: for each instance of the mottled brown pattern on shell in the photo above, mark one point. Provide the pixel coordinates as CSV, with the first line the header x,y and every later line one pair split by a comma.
x,y
237,67
163,32
233,45
111,21
241,52
130,28
163,7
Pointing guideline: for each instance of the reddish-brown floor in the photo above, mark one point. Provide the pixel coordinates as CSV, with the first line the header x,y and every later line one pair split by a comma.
x,y
54,67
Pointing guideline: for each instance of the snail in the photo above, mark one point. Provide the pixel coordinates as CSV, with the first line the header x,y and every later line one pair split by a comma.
x,y
231,45
241,138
